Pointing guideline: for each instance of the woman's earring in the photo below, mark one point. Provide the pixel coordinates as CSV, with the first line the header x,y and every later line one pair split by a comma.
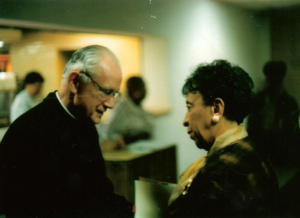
x,y
216,118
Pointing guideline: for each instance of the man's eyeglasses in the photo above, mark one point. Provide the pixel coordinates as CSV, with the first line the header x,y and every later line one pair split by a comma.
x,y
105,93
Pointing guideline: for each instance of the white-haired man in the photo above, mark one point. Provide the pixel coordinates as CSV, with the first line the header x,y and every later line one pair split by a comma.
x,y
51,163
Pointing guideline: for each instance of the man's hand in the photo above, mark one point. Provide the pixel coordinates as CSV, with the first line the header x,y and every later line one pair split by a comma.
x,y
109,145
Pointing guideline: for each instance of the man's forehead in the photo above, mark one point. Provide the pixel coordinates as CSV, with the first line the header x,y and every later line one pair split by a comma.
x,y
107,65
110,79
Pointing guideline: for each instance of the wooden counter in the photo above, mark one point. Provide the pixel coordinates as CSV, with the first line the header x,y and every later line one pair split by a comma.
x,y
125,166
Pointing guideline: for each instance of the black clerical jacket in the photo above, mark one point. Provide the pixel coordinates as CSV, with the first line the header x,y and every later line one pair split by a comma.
x,y
51,166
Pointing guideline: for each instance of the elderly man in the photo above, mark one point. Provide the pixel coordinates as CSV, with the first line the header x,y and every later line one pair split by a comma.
x,y
51,163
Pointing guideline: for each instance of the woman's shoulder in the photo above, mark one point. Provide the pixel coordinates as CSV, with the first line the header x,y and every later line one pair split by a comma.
x,y
234,151
241,156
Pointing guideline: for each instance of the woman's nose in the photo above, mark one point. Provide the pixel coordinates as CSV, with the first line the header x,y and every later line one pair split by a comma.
x,y
185,121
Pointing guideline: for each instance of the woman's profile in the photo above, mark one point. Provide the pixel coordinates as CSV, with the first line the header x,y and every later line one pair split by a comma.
x,y
233,179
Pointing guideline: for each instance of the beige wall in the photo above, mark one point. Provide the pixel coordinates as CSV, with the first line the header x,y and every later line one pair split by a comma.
x,y
155,73
40,51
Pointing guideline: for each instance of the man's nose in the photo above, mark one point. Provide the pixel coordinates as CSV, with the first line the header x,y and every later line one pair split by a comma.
x,y
185,121
109,103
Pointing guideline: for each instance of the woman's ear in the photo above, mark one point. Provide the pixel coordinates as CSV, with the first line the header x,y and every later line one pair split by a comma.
x,y
73,81
217,109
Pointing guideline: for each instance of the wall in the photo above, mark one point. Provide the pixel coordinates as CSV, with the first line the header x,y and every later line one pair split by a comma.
x,y
201,32
40,51
196,31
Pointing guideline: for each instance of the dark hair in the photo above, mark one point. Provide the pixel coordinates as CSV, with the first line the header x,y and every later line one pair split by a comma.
x,y
33,77
135,82
275,69
221,79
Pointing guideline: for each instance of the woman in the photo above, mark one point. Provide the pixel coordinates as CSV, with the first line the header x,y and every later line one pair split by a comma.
x,y
234,179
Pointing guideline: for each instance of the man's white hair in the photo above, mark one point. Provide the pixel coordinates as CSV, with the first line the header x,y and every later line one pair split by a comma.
x,y
87,60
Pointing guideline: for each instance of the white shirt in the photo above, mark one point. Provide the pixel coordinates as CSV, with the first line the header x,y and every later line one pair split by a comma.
x,y
127,118
57,96
22,103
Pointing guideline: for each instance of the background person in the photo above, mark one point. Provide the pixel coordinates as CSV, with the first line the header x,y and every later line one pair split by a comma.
x,y
129,122
233,180
274,122
50,161
27,98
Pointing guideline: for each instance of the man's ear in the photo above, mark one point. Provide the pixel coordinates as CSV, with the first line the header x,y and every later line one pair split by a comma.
x,y
218,107
73,81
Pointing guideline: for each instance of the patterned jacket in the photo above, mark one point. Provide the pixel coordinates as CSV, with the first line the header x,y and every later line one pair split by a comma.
x,y
236,181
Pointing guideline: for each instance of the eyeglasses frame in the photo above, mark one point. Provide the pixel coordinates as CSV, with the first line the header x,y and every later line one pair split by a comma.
x,y
106,92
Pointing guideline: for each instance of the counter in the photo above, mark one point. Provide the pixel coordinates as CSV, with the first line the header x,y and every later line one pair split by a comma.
x,y
150,161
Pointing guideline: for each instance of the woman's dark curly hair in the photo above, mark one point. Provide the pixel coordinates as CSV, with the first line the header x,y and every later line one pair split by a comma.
x,y
221,79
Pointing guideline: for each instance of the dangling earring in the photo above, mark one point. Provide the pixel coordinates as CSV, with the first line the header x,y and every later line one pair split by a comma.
x,y
216,118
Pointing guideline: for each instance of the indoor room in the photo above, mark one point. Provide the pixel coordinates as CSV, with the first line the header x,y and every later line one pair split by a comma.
x,y
162,42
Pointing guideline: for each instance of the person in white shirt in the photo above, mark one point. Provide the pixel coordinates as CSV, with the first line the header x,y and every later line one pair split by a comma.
x,y
27,98
129,122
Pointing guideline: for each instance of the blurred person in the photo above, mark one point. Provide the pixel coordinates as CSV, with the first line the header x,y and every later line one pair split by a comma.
x,y
50,161
234,179
274,122
107,144
27,98
129,122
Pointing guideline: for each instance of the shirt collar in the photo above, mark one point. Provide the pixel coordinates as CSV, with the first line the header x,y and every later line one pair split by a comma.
x,y
56,93
229,137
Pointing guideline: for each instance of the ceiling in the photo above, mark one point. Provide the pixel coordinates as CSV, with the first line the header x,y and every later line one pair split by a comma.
x,y
263,4
17,12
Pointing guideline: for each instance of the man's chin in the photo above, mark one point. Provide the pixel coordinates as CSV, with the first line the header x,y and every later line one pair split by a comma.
x,y
95,120
96,117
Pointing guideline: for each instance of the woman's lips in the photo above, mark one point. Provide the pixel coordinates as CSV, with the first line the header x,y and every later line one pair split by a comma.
x,y
191,135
